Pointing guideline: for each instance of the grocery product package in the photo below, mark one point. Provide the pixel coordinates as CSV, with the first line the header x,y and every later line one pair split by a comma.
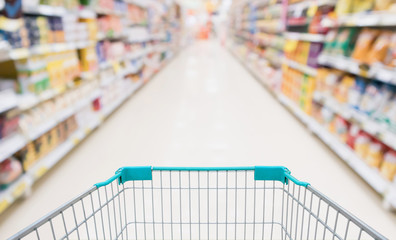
x,y
364,43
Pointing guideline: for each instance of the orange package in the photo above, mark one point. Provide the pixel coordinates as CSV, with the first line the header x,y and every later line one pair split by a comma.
x,y
380,48
364,43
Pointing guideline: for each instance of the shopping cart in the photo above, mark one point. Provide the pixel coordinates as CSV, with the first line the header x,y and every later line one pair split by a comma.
x,y
200,203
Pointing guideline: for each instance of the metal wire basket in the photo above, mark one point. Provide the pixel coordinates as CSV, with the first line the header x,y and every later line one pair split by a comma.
x,y
200,203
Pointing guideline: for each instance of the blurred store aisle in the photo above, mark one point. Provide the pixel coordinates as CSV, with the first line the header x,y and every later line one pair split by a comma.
x,y
203,109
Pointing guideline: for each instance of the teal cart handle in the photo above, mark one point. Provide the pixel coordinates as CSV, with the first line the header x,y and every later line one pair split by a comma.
x,y
261,173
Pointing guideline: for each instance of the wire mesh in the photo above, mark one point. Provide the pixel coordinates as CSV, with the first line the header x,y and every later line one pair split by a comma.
x,y
226,204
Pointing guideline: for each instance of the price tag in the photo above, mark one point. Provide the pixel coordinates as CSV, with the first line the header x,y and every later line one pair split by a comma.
x,y
363,73
19,190
3,205
87,130
76,141
40,172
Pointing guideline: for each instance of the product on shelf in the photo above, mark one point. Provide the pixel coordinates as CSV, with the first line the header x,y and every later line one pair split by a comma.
x,y
110,25
374,97
364,43
344,42
50,55
8,124
88,59
388,167
299,87
344,7
341,128
379,51
355,92
342,89
353,133
12,9
375,154
40,147
136,14
10,170
27,156
315,25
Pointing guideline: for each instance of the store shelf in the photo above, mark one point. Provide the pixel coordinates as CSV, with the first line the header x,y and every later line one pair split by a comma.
x,y
376,71
133,70
16,190
23,184
301,6
104,11
364,19
60,117
11,144
45,10
107,110
366,123
300,67
21,53
8,100
140,33
309,37
370,175
28,101
137,54
110,36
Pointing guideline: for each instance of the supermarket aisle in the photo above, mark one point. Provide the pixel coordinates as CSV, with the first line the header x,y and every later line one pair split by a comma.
x,y
203,109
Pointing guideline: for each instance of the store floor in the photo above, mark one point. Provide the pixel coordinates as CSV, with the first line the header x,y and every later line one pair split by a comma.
x,y
203,109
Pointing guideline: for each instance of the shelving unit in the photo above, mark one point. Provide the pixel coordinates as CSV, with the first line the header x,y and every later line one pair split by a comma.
x,y
310,37
296,87
300,67
370,175
107,86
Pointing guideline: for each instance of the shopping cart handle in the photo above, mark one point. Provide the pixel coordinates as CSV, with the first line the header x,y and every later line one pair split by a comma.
x,y
261,173
276,173
129,174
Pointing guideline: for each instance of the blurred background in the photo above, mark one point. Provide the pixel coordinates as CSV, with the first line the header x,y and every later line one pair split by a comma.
x,y
308,84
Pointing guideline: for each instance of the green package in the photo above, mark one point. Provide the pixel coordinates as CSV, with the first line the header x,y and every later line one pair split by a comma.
x,y
345,41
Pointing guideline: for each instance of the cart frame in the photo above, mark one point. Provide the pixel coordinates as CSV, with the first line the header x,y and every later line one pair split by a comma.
x,y
274,178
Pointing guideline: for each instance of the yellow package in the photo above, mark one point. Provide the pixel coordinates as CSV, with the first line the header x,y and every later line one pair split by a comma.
x,y
362,5
383,5
341,92
343,7
362,144
374,155
388,167
27,156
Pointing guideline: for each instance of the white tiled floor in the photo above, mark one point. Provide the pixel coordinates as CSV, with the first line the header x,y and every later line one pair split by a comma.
x,y
203,109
